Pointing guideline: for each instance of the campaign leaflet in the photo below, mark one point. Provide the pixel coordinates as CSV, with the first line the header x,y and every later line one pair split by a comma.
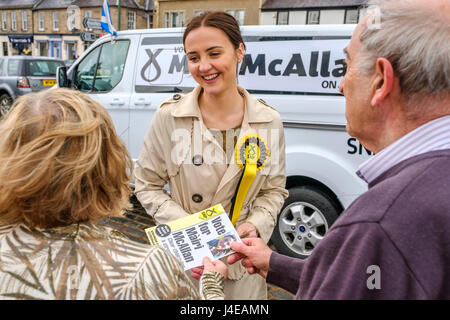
x,y
205,233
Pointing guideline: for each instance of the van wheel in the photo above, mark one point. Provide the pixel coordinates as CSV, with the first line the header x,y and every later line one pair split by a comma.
x,y
5,104
306,216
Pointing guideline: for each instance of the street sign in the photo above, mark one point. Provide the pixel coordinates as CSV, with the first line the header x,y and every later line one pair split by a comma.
x,y
91,23
89,36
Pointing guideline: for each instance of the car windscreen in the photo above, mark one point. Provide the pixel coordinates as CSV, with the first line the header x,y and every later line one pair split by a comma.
x,y
42,67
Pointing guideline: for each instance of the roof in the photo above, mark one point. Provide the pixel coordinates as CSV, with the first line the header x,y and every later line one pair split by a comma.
x,y
57,4
17,4
304,4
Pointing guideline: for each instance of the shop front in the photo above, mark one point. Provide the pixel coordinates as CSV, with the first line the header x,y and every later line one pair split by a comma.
x,y
21,44
48,46
72,48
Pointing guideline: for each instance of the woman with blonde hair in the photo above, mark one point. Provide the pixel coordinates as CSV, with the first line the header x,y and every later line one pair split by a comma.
x,y
63,168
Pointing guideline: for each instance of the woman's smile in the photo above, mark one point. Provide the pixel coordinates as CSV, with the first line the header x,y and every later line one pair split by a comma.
x,y
211,77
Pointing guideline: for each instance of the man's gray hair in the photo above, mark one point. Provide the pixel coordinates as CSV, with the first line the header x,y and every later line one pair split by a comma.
x,y
415,40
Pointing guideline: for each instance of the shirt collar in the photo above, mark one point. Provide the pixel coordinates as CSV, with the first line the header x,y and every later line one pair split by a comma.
x,y
432,136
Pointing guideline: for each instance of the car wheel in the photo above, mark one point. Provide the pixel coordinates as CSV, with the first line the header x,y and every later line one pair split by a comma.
x,y
306,216
5,104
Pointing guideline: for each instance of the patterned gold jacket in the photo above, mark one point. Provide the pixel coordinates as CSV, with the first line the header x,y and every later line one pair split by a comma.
x,y
85,261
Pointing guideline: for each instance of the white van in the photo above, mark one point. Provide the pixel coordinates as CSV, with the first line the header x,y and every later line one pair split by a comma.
x,y
296,69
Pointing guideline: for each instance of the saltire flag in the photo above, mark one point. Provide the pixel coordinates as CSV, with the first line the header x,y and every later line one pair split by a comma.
x,y
106,19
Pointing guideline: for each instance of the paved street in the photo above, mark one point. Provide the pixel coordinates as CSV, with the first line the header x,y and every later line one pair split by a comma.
x,y
133,223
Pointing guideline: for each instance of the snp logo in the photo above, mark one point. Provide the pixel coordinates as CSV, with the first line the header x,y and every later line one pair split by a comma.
x,y
374,280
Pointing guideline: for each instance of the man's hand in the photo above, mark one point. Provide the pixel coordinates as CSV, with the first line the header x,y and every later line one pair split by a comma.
x,y
255,255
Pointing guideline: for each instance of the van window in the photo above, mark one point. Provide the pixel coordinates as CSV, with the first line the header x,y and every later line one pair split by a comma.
x,y
111,65
102,69
84,76
13,67
1,67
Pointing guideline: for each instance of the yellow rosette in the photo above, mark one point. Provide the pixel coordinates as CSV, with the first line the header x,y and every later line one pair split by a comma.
x,y
251,155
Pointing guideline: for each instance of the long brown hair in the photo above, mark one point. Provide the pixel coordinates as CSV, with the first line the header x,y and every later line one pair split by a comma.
x,y
220,20
61,161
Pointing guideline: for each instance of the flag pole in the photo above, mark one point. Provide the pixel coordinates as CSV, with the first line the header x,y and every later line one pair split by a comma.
x,y
118,11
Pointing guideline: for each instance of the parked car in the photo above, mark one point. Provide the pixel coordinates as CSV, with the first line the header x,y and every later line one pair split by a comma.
x,y
295,68
23,74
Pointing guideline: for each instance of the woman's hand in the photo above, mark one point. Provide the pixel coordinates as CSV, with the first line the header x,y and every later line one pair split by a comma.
x,y
216,265
247,230
197,272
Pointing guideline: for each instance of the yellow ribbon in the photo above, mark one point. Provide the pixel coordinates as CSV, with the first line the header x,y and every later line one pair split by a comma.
x,y
251,154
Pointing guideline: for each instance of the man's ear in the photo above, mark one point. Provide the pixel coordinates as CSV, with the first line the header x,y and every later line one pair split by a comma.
x,y
383,82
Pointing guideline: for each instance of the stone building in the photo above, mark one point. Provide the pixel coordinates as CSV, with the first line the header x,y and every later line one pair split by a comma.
x,y
311,11
54,27
16,31
175,13
51,28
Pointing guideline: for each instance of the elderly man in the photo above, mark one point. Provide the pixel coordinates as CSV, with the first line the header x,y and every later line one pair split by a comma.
x,y
393,242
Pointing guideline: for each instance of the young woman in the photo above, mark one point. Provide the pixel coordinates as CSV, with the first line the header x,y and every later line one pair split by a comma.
x,y
64,168
192,142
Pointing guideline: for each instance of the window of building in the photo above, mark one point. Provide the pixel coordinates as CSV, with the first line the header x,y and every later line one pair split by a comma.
x,y
41,21
283,17
55,20
43,48
238,15
166,19
24,21
313,17
13,20
351,16
71,21
150,21
174,19
4,26
71,50
5,48
131,20
57,49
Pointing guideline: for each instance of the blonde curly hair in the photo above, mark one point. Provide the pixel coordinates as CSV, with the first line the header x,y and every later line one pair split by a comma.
x,y
61,161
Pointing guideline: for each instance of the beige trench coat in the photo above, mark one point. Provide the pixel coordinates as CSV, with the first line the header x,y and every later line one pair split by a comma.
x,y
176,136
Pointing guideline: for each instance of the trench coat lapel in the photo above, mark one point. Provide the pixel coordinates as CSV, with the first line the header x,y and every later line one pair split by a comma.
x,y
189,109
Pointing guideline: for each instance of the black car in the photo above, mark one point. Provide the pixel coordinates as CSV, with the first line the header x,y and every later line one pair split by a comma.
x,y
23,74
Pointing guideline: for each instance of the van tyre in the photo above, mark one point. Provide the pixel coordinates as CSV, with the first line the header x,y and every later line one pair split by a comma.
x,y
5,104
306,216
